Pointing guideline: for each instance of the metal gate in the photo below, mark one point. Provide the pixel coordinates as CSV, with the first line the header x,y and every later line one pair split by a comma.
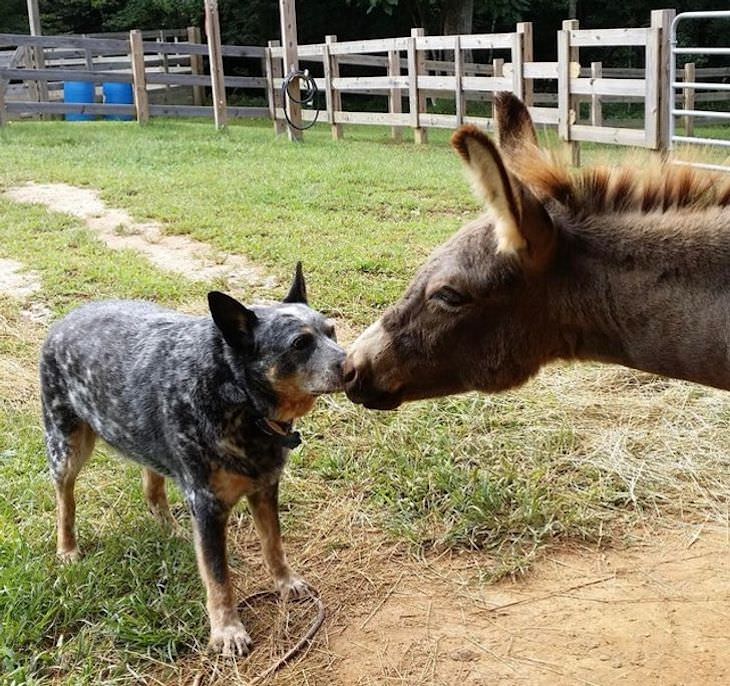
x,y
676,87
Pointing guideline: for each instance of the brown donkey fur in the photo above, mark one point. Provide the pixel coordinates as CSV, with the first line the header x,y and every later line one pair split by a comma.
x,y
612,264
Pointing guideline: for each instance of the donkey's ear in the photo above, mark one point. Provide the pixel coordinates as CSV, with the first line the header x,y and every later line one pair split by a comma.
x,y
521,223
491,183
233,320
515,130
298,291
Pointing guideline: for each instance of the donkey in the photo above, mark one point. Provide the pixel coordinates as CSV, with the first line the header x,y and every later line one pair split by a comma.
x,y
617,265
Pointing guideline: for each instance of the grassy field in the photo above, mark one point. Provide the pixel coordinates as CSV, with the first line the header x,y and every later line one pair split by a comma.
x,y
579,452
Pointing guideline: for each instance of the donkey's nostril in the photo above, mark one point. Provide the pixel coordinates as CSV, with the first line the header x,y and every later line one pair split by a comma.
x,y
349,373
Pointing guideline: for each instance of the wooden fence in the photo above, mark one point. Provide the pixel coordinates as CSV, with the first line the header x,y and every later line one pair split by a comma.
x,y
148,61
405,71
66,58
409,74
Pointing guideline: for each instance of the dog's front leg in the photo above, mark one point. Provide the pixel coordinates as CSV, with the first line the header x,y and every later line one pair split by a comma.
x,y
227,634
265,509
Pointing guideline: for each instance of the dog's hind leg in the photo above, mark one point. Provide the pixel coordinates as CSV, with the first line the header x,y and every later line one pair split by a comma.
x,y
68,450
264,505
153,485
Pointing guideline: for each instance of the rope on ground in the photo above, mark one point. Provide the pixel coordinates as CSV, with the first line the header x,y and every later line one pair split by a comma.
x,y
302,643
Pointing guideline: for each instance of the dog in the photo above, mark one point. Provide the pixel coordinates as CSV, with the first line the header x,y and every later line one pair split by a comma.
x,y
206,401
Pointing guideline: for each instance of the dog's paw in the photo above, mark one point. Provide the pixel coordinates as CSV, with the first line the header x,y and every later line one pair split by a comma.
x,y
68,556
163,516
293,586
231,640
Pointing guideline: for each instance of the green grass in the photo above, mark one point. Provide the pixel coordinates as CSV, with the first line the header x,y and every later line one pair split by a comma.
x,y
346,216
576,453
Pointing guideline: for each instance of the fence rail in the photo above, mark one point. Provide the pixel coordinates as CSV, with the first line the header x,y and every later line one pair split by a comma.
x,y
458,73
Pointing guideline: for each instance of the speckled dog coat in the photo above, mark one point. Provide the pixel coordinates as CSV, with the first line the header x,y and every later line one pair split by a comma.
x,y
208,402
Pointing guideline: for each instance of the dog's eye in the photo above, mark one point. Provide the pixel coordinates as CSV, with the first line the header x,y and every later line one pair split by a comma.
x,y
446,295
302,342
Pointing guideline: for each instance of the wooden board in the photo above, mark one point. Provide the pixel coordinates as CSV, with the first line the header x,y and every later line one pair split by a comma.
x,y
96,45
20,107
596,38
626,87
66,75
606,134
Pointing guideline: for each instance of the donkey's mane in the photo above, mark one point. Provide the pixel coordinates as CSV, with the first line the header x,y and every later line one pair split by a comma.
x,y
659,186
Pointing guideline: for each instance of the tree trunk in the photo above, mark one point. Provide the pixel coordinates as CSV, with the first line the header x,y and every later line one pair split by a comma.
x,y
457,19
458,16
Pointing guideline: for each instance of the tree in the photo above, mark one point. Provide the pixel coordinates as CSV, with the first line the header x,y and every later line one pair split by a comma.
x,y
457,17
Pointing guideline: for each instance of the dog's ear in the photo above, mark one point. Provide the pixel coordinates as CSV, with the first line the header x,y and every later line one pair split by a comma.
x,y
233,320
298,291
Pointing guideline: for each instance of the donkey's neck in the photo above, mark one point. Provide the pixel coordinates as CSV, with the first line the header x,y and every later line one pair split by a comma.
x,y
649,291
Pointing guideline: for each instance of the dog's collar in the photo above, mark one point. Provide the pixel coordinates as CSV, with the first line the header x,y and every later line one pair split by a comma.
x,y
280,431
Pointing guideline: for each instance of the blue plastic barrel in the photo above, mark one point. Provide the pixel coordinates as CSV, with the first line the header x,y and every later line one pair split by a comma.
x,y
78,91
118,94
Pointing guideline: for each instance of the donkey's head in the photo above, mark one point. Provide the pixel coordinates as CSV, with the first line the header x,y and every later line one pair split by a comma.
x,y
470,320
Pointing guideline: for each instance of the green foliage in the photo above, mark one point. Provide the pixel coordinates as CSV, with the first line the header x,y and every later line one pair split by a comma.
x,y
13,17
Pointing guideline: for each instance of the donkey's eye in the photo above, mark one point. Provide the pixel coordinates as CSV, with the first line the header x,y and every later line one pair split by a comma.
x,y
302,342
449,297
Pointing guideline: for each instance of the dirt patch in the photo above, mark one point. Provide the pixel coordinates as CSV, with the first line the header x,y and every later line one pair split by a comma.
x,y
653,613
179,254
16,282
21,284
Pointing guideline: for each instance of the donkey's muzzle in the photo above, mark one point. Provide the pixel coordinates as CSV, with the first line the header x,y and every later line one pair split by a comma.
x,y
360,388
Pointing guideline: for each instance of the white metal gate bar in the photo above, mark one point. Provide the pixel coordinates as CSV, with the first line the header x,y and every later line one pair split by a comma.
x,y
676,86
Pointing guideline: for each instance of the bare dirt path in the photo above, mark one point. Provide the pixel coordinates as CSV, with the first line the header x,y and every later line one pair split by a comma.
x,y
179,254
654,613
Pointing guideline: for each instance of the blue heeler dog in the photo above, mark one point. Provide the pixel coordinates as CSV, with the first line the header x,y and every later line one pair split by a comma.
x,y
208,402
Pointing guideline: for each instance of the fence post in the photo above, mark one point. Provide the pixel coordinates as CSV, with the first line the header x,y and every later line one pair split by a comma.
x,y
564,85
196,63
518,81
273,80
662,20
334,101
497,72
596,101
291,64
165,64
327,67
652,99
416,67
215,58
525,29
3,116
36,52
459,96
88,56
689,98
136,52
569,112
395,105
